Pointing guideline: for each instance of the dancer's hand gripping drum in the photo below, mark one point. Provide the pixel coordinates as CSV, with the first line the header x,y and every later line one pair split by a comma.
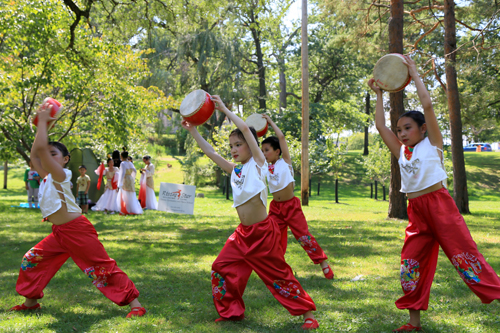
x,y
54,112
390,73
259,123
197,107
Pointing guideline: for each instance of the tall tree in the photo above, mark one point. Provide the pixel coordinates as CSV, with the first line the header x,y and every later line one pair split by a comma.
x,y
304,176
460,194
397,199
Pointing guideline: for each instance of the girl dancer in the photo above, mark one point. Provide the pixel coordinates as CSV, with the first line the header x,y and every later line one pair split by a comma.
x,y
108,201
434,219
72,234
127,200
255,244
147,195
285,208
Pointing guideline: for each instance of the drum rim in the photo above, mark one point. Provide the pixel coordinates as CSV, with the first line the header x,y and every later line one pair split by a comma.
x,y
257,130
408,77
199,107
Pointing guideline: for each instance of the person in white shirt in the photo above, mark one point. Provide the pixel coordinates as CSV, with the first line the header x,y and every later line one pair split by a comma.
x,y
255,244
147,195
434,219
72,233
285,207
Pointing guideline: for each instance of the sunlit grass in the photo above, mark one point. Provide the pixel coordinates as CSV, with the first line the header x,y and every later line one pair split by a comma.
x,y
169,257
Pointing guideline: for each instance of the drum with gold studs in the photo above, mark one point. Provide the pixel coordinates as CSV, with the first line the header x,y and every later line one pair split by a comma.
x,y
197,107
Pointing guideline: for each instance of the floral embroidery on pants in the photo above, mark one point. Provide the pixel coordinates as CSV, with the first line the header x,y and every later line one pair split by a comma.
x,y
410,274
218,286
287,289
31,259
468,267
99,275
308,243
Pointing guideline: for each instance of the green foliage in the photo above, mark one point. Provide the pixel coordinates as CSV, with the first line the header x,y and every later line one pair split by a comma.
x,y
96,81
325,156
378,163
356,141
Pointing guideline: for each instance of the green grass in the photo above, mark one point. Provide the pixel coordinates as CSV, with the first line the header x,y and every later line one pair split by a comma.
x,y
169,258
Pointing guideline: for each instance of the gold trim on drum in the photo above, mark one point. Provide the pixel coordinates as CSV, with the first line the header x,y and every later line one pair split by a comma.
x,y
198,108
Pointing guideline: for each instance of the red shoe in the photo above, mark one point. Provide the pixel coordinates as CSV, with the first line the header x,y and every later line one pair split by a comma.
x,y
138,311
408,328
310,324
232,318
328,272
23,307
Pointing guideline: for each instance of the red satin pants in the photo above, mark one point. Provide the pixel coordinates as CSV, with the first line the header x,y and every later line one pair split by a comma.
x,y
289,214
76,239
434,221
256,247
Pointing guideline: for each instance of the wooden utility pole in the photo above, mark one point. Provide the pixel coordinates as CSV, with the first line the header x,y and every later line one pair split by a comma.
x,y
397,200
304,170
460,194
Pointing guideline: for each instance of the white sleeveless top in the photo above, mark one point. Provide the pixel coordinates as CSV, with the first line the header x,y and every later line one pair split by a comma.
x,y
49,199
279,176
247,183
424,169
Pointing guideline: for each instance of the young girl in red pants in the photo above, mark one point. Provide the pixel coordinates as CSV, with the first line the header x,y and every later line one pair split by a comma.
x,y
434,219
285,208
255,244
72,234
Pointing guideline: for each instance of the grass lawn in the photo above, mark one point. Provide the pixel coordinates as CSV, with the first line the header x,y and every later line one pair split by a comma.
x,y
169,258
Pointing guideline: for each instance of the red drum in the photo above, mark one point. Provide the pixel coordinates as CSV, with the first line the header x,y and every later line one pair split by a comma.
x,y
390,73
259,123
54,112
197,107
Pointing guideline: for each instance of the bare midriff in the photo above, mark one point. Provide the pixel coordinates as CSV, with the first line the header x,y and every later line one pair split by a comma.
x,y
253,211
284,194
62,215
430,189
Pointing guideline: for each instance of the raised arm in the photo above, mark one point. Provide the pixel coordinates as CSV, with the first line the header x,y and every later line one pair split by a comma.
x,y
257,154
207,148
390,139
41,155
285,153
433,131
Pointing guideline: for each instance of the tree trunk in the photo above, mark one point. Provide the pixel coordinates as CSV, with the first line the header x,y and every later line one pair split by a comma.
x,y
397,200
336,190
261,69
282,88
460,194
367,110
5,172
304,170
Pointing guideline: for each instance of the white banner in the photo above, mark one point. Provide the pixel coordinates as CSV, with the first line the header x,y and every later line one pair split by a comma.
x,y
176,198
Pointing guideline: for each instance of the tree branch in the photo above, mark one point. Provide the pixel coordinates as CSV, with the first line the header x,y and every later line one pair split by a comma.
x,y
292,94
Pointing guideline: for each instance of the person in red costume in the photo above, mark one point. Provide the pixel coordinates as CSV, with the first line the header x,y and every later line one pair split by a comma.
x,y
255,244
434,219
72,234
285,207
